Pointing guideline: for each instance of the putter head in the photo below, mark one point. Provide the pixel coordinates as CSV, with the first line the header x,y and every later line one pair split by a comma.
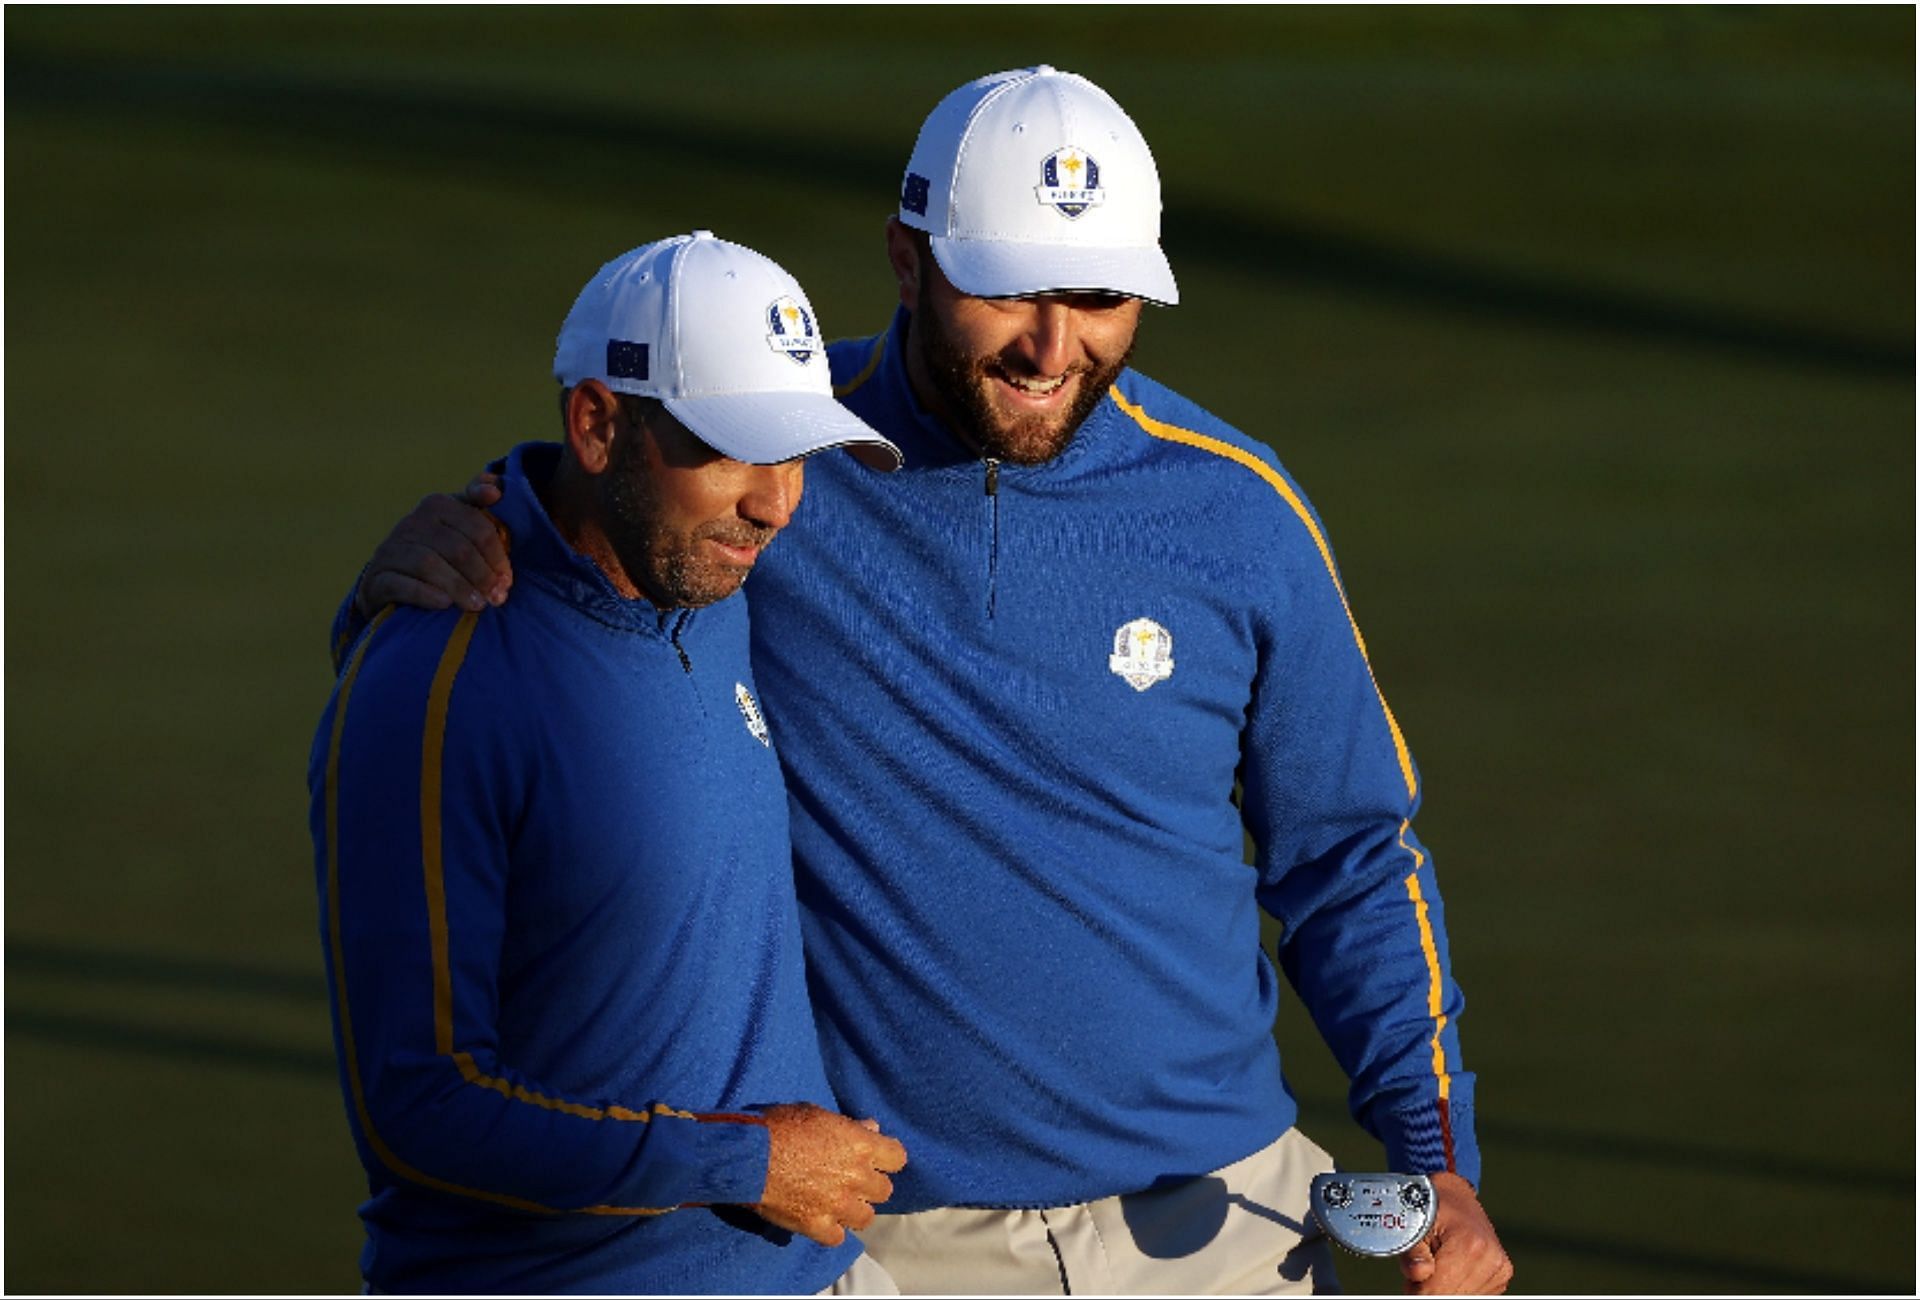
x,y
1374,1214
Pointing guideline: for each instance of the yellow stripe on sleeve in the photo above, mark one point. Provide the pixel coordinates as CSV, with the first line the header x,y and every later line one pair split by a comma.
x,y
443,1000
1432,954
1274,479
432,757
432,752
1187,437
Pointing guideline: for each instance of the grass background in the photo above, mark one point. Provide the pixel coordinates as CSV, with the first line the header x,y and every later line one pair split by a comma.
x,y
1590,332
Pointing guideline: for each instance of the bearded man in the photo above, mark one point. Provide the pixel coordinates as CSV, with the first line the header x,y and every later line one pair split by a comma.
x,y
552,848
1108,636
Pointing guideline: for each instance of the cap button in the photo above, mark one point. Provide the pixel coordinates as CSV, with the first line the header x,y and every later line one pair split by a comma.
x,y
703,234
1044,70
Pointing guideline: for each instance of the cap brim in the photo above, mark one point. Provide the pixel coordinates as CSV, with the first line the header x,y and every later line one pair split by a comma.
x,y
993,268
772,428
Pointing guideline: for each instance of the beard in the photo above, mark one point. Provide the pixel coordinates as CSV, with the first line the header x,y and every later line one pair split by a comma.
x,y
964,381
669,565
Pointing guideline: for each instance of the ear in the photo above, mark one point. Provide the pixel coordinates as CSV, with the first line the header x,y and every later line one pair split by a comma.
x,y
903,254
593,415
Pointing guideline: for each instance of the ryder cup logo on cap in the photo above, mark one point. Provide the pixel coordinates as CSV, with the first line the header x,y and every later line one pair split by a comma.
x,y
714,331
791,331
1035,181
1082,187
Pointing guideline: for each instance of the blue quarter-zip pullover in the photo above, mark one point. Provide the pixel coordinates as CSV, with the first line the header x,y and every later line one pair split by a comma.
x,y
1024,713
558,911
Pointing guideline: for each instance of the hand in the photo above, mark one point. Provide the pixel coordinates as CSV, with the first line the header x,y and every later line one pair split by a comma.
x,y
825,1172
1461,1255
447,552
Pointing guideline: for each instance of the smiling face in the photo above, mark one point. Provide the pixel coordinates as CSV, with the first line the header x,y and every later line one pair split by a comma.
x,y
684,522
1014,377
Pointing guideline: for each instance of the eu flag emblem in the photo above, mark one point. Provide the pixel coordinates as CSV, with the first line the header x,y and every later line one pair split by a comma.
x,y
913,194
626,360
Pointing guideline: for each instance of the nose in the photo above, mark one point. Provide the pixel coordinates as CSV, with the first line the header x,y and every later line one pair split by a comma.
x,y
773,494
1049,339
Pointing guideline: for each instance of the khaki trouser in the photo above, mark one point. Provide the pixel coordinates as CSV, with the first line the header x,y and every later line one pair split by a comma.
x,y
864,1278
1241,1230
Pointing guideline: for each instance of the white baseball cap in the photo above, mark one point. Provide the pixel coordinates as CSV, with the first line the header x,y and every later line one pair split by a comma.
x,y
1033,181
728,343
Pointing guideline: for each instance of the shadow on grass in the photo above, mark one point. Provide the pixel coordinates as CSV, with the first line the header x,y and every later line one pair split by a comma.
x,y
1712,1274
33,964
31,959
115,1034
29,962
522,144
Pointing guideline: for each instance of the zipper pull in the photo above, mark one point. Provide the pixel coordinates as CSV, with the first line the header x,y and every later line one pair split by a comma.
x,y
993,477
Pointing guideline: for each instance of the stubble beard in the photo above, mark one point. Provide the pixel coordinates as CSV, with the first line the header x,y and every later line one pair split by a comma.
x,y
669,567
962,381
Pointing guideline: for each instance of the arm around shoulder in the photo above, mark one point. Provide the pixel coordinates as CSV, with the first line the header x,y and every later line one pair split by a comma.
x,y
447,551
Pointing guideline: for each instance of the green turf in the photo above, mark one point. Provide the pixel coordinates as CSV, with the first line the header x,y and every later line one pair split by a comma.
x,y
1589,332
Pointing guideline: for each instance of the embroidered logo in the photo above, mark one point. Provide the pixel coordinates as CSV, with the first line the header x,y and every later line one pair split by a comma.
x,y
914,192
750,710
1070,182
1142,653
626,360
790,330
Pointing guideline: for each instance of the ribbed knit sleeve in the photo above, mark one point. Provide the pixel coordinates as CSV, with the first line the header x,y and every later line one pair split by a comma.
x,y
1330,795
416,800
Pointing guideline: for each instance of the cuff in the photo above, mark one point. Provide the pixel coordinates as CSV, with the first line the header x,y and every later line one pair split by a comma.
x,y
711,1160
1433,1137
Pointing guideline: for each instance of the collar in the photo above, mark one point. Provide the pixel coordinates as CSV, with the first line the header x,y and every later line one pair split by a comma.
x,y
542,556
887,401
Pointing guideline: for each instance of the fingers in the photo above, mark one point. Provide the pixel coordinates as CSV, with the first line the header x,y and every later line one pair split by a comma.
x,y
445,545
482,490
888,1155
1463,1264
1416,1266
824,1230
825,1172
388,588
1463,1254
849,1210
416,574
874,1187
467,537
857,1215
1456,1282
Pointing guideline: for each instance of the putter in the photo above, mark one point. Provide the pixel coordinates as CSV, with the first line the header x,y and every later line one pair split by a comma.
x,y
1373,1214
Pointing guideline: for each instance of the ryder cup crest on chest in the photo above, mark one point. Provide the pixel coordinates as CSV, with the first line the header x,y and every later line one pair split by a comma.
x,y
1142,653
750,712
